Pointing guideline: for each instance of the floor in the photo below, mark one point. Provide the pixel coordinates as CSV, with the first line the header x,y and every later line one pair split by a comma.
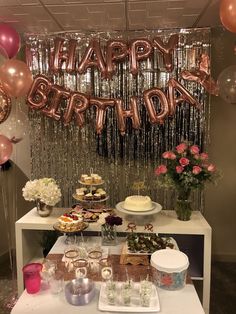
x,y
223,288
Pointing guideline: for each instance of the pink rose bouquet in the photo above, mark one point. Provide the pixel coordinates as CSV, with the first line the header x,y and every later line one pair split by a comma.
x,y
186,168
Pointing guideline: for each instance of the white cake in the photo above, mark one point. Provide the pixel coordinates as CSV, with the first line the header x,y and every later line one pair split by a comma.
x,y
138,203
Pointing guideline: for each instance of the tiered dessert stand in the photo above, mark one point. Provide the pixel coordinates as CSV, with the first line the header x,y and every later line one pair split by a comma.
x,y
91,205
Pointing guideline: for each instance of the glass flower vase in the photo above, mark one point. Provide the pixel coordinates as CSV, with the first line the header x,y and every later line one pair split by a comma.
x,y
43,209
183,205
109,235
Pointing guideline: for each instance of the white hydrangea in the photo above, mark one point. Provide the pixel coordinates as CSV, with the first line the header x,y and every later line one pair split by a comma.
x,y
45,190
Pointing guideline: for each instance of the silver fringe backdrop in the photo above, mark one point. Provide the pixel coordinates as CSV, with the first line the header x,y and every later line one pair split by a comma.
x,y
65,152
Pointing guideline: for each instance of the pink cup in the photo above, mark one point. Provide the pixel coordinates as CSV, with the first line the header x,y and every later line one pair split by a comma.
x,y
32,277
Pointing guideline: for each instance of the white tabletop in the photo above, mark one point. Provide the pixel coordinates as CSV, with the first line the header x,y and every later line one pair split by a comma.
x,y
163,222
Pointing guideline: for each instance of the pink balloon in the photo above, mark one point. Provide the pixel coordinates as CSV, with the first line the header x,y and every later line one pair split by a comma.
x,y
228,14
5,149
9,40
15,77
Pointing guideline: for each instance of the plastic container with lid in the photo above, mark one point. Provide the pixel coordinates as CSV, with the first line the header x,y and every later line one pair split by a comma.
x,y
169,268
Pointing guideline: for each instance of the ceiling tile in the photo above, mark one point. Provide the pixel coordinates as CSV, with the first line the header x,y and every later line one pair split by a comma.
x,y
105,15
80,16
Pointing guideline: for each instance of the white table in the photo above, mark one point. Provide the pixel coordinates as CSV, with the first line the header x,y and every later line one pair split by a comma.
x,y
28,239
171,302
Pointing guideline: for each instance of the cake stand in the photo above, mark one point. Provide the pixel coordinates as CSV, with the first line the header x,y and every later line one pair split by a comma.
x,y
141,217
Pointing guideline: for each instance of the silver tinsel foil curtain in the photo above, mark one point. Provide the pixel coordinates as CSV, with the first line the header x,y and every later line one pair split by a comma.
x,y
66,152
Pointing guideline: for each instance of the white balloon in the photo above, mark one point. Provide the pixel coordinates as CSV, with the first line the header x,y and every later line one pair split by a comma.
x,y
227,84
16,125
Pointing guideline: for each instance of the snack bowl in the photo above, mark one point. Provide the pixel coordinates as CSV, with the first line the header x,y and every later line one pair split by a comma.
x,y
80,291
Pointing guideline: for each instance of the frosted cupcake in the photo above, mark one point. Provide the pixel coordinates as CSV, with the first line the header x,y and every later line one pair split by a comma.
x,y
83,177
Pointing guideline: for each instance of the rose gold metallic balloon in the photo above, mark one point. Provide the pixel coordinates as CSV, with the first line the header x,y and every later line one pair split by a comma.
x,y
39,91
202,75
155,117
228,14
140,49
101,107
92,58
185,95
15,77
67,56
5,149
76,107
5,105
116,51
131,113
167,50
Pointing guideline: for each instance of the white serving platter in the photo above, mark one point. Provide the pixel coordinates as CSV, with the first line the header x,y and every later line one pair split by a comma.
x,y
134,307
127,251
156,208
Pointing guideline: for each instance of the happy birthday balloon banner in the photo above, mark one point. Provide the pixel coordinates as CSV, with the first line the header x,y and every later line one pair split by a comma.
x,y
47,97
116,83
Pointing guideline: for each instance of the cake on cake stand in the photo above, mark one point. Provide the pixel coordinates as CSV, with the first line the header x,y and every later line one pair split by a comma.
x,y
139,217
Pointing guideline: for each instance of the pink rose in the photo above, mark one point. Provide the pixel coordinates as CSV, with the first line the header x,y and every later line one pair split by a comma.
x,y
184,161
181,148
204,164
162,169
196,156
197,169
211,168
179,169
194,149
204,156
169,155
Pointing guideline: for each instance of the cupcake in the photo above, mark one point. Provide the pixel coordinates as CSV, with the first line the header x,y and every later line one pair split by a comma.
x,y
88,196
97,179
96,196
83,176
80,195
103,194
88,180
99,190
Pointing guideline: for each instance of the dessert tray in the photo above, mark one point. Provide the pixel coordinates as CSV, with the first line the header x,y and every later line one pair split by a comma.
x,y
156,208
134,306
79,228
146,244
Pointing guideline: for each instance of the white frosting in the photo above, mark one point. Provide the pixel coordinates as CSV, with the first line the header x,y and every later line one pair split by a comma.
x,y
138,203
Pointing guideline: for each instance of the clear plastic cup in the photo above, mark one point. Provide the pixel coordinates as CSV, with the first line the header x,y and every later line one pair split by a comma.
x,y
32,278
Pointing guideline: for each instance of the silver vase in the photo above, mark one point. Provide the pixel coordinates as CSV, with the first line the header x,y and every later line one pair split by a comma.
x,y
43,209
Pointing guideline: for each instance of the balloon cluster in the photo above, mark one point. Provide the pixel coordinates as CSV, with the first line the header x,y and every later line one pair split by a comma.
x,y
15,80
227,78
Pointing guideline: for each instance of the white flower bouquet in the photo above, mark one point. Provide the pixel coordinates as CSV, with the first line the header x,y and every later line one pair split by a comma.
x,y
45,190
